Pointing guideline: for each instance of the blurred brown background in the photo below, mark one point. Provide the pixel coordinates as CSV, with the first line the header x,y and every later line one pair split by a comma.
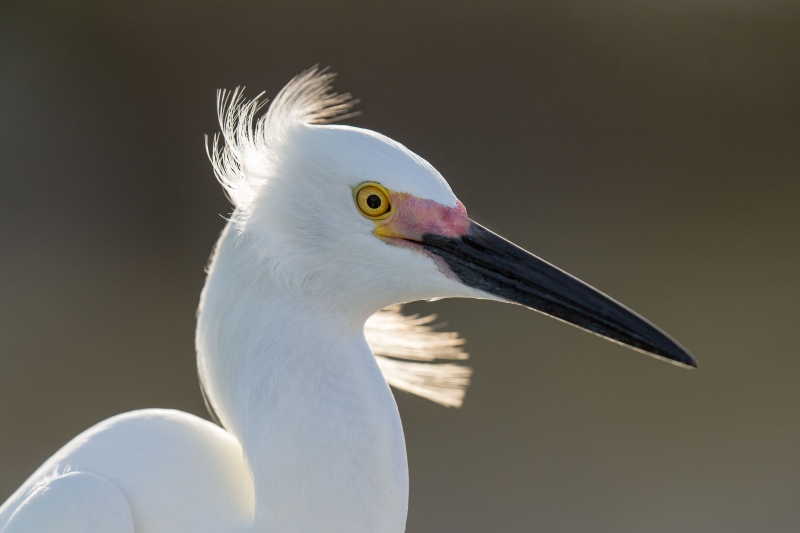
x,y
650,148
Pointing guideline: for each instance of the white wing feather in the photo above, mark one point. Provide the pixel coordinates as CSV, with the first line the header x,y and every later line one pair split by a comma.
x,y
410,352
76,502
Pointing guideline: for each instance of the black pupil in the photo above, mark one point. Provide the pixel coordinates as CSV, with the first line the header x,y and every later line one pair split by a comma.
x,y
373,201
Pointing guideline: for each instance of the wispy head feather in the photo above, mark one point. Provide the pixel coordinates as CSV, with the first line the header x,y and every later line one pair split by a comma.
x,y
245,150
310,99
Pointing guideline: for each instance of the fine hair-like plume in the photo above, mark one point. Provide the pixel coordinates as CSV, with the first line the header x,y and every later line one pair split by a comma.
x,y
410,352
243,160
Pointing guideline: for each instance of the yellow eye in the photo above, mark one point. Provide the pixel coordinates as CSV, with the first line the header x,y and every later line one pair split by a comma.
x,y
373,201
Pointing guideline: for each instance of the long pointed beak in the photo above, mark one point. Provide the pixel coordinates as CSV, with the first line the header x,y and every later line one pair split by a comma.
x,y
485,261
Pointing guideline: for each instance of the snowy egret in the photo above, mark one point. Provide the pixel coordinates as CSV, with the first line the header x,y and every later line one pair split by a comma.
x,y
332,224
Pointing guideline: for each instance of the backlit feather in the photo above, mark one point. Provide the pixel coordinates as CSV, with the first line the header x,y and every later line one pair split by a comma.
x,y
246,148
410,352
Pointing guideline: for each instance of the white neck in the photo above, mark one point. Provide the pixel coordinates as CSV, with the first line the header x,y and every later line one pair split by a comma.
x,y
297,384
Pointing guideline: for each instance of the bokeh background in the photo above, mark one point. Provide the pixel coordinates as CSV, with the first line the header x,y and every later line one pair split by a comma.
x,y
650,148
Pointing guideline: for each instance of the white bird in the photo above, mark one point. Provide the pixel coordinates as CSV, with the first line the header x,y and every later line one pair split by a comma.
x,y
331,225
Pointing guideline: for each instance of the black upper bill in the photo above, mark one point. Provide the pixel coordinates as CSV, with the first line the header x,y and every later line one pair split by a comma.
x,y
485,261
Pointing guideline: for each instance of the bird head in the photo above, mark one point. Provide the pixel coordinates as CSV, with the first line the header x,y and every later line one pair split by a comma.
x,y
360,222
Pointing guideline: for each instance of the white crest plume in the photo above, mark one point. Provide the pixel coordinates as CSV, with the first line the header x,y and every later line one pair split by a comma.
x,y
243,162
407,348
